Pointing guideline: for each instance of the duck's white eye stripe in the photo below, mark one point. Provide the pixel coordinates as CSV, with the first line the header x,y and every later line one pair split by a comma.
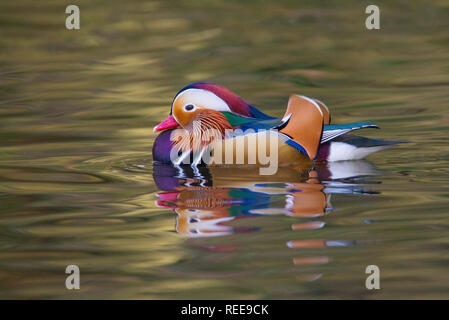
x,y
202,98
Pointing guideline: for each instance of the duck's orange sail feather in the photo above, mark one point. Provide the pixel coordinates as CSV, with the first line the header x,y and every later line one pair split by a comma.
x,y
305,123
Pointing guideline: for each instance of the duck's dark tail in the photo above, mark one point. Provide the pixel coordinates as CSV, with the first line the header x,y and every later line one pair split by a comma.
x,y
350,147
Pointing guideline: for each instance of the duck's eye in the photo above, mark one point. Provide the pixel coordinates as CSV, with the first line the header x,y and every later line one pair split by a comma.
x,y
189,107
193,220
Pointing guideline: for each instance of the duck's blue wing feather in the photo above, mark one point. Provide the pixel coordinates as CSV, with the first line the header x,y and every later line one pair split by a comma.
x,y
330,132
262,124
333,131
256,113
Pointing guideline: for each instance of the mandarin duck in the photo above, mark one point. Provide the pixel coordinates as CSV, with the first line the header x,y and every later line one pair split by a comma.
x,y
305,133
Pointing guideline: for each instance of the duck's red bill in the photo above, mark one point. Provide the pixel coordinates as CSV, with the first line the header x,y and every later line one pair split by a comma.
x,y
168,123
165,198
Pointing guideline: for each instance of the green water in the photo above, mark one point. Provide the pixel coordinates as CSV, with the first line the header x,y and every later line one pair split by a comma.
x,y
76,174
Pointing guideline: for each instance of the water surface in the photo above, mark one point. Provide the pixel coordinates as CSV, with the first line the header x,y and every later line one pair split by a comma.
x,y
78,185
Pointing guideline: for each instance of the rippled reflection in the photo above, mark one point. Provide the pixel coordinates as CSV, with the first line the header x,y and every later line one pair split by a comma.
x,y
207,200
205,203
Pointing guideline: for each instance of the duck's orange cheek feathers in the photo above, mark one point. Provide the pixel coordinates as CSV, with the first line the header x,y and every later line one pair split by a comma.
x,y
183,117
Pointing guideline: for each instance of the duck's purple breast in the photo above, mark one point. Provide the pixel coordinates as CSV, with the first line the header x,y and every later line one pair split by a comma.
x,y
162,147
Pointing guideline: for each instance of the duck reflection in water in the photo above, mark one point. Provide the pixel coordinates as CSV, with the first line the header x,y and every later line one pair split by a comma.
x,y
206,199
